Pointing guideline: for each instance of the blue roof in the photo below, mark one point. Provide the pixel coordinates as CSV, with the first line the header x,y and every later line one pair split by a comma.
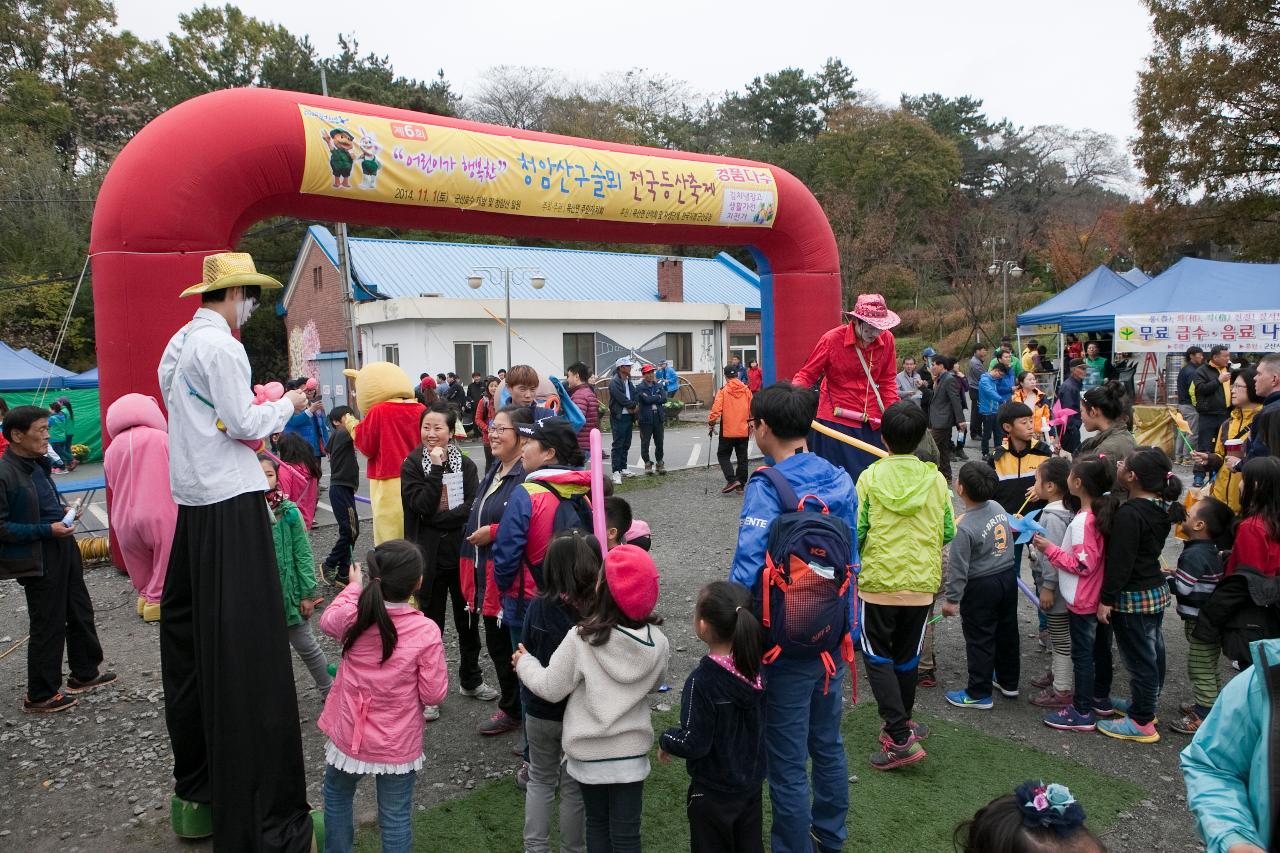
x,y
1101,285
1192,284
1135,277
407,268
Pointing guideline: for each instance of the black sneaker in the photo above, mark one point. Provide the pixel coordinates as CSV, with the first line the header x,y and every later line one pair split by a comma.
x,y
75,685
55,703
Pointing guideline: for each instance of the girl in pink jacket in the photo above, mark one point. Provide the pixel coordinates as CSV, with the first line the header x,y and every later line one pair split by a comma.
x,y
143,513
1080,560
392,667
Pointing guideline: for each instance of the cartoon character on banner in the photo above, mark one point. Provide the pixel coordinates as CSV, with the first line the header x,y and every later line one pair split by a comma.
x,y
369,165
341,145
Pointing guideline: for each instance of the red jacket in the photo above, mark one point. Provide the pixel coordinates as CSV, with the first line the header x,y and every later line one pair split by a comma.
x,y
1253,547
844,381
387,434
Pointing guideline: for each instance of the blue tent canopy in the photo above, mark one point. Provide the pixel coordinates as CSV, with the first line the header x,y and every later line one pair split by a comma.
x,y
1135,277
1192,284
88,379
44,364
19,374
1100,286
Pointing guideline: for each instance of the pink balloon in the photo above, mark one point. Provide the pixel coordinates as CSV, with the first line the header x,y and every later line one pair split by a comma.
x,y
597,493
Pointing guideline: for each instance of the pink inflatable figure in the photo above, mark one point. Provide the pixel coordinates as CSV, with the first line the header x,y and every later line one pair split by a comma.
x,y
143,513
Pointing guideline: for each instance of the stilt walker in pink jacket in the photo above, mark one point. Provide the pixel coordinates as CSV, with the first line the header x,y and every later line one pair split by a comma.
x,y
143,513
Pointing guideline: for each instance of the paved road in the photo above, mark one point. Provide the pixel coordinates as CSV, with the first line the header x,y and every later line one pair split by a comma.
x,y
685,446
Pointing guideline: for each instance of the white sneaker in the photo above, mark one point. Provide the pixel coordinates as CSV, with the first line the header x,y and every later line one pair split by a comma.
x,y
484,692
617,478
430,713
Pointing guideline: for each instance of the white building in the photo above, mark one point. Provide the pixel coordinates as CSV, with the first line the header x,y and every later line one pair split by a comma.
x,y
416,308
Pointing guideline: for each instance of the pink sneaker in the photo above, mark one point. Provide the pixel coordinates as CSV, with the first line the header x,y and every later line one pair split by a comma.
x,y
1050,698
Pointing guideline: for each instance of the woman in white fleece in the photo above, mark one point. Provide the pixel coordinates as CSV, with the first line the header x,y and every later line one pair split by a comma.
x,y
606,667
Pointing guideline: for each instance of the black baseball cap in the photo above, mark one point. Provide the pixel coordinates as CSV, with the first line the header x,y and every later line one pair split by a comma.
x,y
544,427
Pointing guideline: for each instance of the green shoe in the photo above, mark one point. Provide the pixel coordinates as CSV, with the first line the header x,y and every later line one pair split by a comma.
x,y
190,820
317,827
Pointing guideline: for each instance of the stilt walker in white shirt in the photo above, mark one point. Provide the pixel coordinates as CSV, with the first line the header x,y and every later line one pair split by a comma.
x,y
230,703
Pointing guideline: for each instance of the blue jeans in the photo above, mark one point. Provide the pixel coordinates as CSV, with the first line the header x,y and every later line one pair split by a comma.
x,y
395,807
1141,644
802,724
992,434
621,428
1090,659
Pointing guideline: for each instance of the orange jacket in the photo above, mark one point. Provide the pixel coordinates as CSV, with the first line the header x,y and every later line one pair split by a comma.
x,y
732,408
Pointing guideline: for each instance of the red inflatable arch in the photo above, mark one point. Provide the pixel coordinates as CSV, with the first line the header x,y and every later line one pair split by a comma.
x,y
191,182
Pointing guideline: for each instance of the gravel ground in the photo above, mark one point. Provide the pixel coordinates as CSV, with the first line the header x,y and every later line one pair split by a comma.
x,y
97,777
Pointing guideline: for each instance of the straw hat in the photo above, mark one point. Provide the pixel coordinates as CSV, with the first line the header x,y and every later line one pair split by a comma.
x,y
231,269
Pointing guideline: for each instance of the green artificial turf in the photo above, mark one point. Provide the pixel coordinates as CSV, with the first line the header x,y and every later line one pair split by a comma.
x,y
913,808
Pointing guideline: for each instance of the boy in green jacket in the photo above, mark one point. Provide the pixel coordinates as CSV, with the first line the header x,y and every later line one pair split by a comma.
x,y
904,519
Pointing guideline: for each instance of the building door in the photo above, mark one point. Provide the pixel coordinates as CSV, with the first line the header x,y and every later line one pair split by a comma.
x,y
333,385
745,347
470,357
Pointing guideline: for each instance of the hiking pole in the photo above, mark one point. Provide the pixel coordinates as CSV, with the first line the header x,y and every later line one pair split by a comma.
x,y
711,431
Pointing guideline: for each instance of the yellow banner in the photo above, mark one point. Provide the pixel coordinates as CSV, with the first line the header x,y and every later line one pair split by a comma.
x,y
379,159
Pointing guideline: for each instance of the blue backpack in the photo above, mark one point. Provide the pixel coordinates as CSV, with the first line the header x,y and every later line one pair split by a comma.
x,y
801,596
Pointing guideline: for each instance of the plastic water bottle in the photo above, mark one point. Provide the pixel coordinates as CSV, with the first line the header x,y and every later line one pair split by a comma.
x,y
69,519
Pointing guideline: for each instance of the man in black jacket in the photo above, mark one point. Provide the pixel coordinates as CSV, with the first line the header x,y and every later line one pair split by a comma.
x,y
39,550
1187,375
1211,402
344,479
456,396
945,410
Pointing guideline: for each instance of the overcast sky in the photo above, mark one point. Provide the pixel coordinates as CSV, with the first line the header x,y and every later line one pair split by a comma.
x,y
1036,62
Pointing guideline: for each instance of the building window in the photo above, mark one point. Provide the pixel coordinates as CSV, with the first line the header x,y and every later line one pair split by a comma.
x,y
470,357
316,282
580,347
745,347
391,353
680,349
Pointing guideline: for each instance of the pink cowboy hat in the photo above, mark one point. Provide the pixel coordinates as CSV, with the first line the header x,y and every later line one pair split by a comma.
x,y
871,309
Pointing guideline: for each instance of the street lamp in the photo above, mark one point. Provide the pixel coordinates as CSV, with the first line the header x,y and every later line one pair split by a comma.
x,y
1004,269
504,274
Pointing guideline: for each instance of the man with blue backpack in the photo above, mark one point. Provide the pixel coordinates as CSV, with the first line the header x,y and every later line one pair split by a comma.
x,y
800,560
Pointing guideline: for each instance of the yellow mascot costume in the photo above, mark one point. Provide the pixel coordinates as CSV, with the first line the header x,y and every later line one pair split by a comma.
x,y
389,430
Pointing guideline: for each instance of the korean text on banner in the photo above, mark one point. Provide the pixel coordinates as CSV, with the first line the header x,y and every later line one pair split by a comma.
x,y
1173,332
379,159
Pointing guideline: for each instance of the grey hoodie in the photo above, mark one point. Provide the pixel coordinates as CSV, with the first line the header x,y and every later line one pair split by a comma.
x,y
608,685
983,546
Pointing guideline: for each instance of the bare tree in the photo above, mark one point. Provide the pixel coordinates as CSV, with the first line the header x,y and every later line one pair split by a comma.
x,y
514,96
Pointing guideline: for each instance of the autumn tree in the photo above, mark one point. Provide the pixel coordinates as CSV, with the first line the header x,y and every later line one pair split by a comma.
x,y
1209,127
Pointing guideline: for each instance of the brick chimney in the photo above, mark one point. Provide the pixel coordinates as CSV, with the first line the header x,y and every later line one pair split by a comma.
x,y
671,279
